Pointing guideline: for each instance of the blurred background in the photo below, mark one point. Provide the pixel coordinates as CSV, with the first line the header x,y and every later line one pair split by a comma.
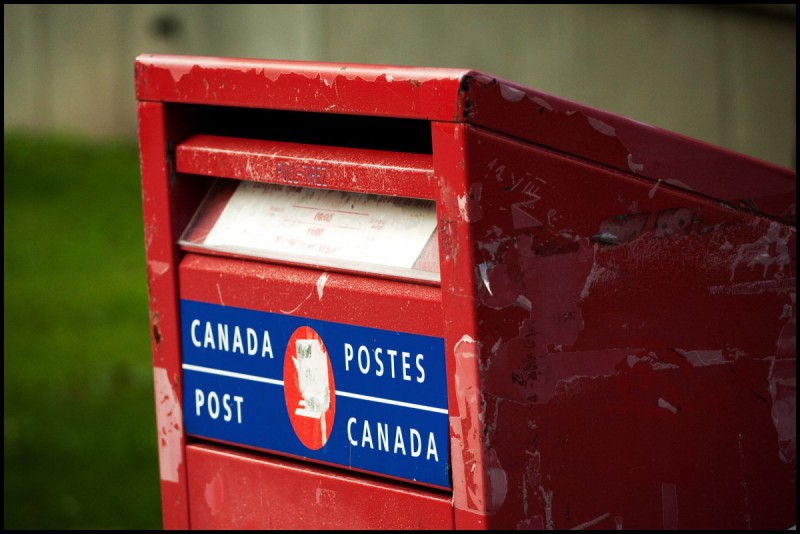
x,y
79,447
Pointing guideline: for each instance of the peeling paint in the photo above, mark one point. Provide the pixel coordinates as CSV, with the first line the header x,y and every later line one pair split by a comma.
x,y
541,102
466,443
770,249
323,278
602,127
512,94
169,419
635,167
704,358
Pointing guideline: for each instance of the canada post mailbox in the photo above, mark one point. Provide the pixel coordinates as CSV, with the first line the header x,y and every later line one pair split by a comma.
x,y
389,297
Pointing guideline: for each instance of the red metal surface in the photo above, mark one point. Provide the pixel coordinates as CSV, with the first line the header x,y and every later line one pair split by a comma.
x,y
336,297
234,490
364,171
618,303
639,341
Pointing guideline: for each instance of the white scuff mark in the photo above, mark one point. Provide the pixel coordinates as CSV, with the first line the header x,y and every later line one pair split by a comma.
x,y
323,278
539,101
522,217
496,345
325,498
634,167
602,127
214,494
169,419
512,94
524,303
652,192
484,267
591,522
158,268
669,506
770,249
219,294
547,496
667,406
618,522
389,78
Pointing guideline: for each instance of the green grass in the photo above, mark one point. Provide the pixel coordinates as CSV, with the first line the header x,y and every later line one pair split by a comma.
x,y
79,436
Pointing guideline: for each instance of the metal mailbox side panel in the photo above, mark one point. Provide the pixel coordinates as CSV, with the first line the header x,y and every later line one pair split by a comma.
x,y
235,490
632,360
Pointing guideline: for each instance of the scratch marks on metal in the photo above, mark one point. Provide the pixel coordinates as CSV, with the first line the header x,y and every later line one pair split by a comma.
x,y
169,419
667,406
669,506
547,497
591,522
483,268
780,285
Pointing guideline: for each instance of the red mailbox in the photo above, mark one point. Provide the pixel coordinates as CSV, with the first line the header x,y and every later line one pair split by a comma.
x,y
390,297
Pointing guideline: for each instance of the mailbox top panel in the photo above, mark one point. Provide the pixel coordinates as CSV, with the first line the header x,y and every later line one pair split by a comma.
x,y
467,96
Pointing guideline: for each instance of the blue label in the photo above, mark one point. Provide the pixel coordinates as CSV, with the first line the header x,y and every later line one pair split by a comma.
x,y
368,399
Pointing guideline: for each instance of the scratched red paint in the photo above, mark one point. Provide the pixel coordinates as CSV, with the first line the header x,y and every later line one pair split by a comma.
x,y
618,303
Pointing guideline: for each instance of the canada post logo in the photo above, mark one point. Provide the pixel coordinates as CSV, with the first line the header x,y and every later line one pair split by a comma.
x,y
363,398
309,388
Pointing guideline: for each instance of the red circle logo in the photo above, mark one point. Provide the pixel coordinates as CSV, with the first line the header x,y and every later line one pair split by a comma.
x,y
308,388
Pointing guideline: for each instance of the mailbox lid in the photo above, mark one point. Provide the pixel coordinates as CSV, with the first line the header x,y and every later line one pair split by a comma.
x,y
237,490
461,95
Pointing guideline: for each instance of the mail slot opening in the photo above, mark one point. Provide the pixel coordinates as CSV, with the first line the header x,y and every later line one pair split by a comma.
x,y
377,234
328,129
